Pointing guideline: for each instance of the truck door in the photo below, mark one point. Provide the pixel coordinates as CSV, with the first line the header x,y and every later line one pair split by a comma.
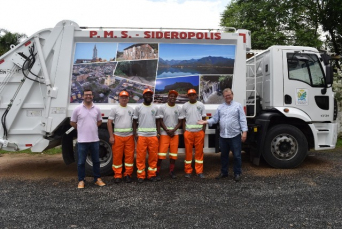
x,y
303,83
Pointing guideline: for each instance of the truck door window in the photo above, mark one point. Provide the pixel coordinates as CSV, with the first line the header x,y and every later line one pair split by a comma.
x,y
306,68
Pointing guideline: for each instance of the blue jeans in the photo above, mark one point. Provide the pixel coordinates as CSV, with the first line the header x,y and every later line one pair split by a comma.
x,y
82,151
234,145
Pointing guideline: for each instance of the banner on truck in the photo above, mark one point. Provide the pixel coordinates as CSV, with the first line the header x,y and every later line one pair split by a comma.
x,y
109,68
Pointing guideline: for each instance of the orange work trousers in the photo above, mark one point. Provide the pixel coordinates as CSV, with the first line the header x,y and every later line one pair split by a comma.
x,y
123,146
165,141
191,139
150,144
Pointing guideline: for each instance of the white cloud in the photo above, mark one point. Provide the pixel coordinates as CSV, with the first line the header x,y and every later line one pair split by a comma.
x,y
31,16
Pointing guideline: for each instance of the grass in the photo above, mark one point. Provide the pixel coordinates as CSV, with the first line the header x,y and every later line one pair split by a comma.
x,y
339,143
53,151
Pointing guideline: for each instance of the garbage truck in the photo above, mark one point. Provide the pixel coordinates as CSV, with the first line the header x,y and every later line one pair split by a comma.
x,y
286,91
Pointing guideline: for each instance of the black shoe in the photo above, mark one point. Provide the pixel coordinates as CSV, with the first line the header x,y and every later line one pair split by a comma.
x,y
173,175
158,178
117,180
140,180
221,176
237,177
201,175
128,179
153,179
187,175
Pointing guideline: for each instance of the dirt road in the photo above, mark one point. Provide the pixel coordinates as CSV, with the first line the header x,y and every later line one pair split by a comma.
x,y
40,191
40,166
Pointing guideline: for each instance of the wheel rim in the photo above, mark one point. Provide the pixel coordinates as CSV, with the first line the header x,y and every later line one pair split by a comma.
x,y
105,155
284,147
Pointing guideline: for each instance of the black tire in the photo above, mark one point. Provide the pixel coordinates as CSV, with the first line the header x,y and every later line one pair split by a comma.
x,y
105,155
285,147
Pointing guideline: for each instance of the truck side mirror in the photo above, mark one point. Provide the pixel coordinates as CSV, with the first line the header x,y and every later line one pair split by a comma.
x,y
325,58
329,75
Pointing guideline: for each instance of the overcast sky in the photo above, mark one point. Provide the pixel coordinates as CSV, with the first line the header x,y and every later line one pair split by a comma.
x,y
28,17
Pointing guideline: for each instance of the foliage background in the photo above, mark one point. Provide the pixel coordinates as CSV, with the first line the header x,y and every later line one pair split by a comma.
x,y
314,23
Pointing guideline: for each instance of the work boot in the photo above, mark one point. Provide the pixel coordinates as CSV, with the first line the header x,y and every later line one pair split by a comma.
x,y
158,177
117,180
128,179
201,175
153,179
187,175
173,175
140,180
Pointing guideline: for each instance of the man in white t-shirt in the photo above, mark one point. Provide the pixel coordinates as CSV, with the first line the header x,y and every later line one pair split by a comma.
x,y
168,129
145,115
121,138
192,112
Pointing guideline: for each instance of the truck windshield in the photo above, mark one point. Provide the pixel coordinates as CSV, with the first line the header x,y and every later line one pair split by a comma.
x,y
306,68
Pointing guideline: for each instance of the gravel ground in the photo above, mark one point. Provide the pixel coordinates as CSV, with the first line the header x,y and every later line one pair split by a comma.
x,y
306,197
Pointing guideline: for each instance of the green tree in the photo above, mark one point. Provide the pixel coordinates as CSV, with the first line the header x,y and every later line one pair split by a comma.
x,y
273,22
7,39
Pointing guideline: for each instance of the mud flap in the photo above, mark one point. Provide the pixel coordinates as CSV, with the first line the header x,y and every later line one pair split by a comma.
x,y
68,147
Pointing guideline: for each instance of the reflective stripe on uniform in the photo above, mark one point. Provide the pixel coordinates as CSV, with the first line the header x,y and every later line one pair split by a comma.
x,y
197,161
128,165
187,162
123,129
140,171
194,126
173,154
117,166
147,129
162,154
151,169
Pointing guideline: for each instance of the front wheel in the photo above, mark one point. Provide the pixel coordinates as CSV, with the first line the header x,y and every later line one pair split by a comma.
x,y
105,156
285,147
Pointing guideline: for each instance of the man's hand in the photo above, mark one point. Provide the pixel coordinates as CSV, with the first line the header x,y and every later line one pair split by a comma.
x,y
244,137
171,133
202,122
111,140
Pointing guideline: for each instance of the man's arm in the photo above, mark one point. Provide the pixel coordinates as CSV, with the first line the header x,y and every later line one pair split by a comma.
x,y
243,123
73,124
158,123
183,124
204,125
179,124
244,136
135,129
110,131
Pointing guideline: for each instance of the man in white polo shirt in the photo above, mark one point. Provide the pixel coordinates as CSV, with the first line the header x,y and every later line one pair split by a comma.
x,y
86,118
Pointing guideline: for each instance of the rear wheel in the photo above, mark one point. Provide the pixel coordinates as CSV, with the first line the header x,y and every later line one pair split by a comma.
x,y
285,147
105,156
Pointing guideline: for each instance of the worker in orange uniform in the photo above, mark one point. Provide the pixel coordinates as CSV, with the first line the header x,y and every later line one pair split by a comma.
x,y
193,111
169,123
121,138
146,134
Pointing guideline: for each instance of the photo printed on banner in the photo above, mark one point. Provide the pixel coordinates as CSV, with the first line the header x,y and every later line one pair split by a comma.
x,y
180,84
109,68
